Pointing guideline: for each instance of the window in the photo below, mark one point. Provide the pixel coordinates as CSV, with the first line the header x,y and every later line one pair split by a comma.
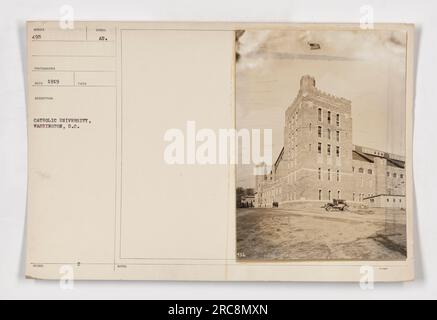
x,y
320,114
338,194
372,200
320,173
338,151
388,174
394,175
329,195
320,194
329,117
402,175
319,131
369,171
388,200
338,136
353,169
319,148
310,127
360,170
329,133
338,175
329,174
338,120
353,196
329,149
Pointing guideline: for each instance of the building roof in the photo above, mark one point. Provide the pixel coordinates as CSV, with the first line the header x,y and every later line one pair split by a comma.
x,y
361,157
385,195
396,163
367,157
279,158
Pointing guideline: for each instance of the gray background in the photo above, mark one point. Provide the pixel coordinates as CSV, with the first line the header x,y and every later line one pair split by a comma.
x,y
13,157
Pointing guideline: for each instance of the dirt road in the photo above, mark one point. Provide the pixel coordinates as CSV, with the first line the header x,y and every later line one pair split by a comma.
x,y
313,234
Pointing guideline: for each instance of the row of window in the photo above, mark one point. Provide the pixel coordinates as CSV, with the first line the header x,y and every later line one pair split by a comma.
x,y
388,200
361,170
329,194
320,117
328,149
329,174
360,197
370,171
395,175
328,133
394,200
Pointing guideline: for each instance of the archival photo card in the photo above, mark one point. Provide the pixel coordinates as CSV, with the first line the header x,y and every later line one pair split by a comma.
x,y
220,151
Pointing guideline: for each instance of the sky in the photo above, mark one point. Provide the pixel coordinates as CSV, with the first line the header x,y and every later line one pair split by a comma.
x,y
367,67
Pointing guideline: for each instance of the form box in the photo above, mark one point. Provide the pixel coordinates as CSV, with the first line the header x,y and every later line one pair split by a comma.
x,y
73,78
73,64
102,78
73,49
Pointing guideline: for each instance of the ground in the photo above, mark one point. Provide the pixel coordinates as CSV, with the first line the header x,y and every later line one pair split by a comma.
x,y
314,234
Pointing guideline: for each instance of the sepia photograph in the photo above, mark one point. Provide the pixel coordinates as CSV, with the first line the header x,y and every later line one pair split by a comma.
x,y
335,102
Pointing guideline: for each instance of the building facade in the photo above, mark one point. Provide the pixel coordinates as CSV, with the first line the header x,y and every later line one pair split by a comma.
x,y
319,161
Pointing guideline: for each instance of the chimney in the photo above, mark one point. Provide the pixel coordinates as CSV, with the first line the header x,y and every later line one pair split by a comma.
x,y
307,83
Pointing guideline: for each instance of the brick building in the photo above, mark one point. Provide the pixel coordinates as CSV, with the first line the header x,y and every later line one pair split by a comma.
x,y
319,162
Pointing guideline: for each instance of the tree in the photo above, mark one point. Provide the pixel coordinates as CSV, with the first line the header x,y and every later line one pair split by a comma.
x,y
250,192
241,192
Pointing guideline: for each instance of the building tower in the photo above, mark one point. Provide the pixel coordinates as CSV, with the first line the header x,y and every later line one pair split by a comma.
x,y
318,145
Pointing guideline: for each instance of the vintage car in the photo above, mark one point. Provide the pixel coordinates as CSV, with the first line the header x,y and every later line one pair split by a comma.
x,y
336,205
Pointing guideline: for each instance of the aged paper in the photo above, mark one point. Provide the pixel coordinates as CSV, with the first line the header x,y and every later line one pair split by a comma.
x,y
122,182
